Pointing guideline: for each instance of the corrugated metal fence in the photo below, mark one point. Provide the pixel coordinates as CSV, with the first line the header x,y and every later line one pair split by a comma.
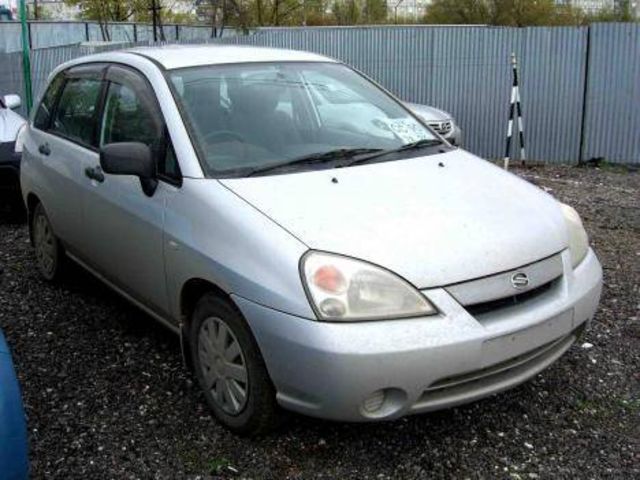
x,y
612,117
46,34
580,86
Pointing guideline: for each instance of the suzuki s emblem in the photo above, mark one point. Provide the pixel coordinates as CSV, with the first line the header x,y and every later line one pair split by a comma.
x,y
520,280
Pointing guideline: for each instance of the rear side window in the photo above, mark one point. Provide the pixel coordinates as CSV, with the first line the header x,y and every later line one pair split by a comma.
x,y
75,116
43,114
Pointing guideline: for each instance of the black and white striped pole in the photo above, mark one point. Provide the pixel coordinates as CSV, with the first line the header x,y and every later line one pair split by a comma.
x,y
514,108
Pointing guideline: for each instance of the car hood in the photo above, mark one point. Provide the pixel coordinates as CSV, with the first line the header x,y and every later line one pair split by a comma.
x,y
10,123
428,113
434,220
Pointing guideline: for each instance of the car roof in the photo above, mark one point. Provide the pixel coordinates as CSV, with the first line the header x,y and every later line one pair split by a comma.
x,y
182,56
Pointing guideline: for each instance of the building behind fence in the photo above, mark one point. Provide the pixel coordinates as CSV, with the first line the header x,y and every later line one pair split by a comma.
x,y
580,86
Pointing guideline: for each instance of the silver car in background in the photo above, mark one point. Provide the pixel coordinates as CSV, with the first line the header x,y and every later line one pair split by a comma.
x,y
316,245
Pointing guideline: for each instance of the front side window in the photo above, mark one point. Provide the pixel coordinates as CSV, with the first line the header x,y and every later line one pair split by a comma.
x,y
131,114
129,117
75,115
244,117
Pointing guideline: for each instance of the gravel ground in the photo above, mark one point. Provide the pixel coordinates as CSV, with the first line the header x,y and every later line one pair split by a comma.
x,y
107,396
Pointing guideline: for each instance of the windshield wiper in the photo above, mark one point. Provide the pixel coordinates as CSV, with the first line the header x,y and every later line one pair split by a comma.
x,y
424,143
315,158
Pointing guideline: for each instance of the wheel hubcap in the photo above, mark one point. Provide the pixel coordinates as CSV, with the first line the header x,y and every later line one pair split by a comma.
x,y
44,245
223,366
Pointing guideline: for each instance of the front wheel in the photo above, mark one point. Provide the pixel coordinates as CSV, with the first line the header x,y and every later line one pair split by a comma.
x,y
230,368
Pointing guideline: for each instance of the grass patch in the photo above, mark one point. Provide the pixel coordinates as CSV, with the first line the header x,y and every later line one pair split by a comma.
x,y
216,464
607,408
196,463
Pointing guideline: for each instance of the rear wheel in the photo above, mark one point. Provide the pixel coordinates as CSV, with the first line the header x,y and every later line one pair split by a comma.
x,y
49,255
230,368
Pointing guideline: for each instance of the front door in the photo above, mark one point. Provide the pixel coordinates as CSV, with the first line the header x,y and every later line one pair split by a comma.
x,y
125,226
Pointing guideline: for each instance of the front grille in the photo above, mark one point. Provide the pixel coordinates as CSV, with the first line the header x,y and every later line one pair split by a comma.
x,y
492,293
493,305
443,128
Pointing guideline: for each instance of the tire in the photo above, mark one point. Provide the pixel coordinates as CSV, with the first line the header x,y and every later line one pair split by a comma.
x,y
224,378
50,257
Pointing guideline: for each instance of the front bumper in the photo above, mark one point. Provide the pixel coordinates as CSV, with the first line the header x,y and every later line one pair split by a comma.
x,y
386,369
9,169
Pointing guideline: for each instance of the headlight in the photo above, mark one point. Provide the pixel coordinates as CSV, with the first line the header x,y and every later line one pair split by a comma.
x,y
20,138
345,289
578,239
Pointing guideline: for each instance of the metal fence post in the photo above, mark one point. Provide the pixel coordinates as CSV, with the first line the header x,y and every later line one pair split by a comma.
x,y
585,98
26,60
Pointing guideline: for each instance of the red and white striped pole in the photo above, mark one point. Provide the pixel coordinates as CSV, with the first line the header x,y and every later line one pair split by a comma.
x,y
515,107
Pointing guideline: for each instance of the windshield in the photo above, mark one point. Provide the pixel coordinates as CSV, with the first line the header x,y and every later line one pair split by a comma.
x,y
246,117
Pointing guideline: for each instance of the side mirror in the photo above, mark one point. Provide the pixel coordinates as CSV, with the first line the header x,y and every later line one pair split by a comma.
x,y
12,101
130,158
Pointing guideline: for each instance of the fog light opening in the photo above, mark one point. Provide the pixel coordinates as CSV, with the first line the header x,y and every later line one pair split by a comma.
x,y
383,403
373,402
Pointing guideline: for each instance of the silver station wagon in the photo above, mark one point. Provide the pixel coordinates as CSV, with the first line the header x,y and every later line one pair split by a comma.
x,y
350,267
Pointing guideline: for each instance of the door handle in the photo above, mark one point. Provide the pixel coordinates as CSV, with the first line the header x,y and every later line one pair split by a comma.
x,y
94,173
45,149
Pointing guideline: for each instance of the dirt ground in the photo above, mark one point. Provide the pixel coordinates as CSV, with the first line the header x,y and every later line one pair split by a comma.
x,y
107,396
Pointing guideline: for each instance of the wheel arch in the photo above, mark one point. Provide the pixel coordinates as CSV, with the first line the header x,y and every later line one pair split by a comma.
x,y
192,290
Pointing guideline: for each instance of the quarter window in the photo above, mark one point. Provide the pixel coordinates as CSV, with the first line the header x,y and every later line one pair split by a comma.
x,y
168,167
75,116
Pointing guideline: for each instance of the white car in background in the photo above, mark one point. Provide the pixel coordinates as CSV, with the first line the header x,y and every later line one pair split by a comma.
x,y
10,152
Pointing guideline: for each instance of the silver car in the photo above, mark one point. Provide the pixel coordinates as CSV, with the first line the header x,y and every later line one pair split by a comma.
x,y
349,269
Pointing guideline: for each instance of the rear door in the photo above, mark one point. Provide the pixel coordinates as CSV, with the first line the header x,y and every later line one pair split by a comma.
x,y
65,141
125,227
